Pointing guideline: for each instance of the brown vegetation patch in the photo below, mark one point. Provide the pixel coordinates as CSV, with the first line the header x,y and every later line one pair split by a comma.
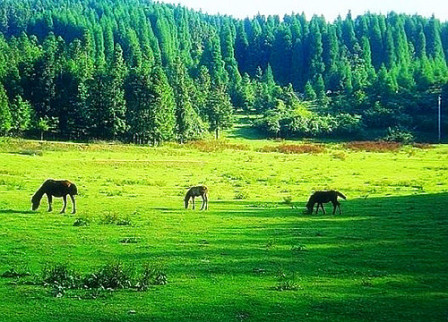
x,y
424,146
294,148
373,146
217,145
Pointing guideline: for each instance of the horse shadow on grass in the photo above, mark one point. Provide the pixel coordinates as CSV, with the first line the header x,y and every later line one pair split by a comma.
x,y
12,211
373,236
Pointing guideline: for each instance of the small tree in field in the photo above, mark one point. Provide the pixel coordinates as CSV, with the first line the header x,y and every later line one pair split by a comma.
x,y
219,110
20,114
45,124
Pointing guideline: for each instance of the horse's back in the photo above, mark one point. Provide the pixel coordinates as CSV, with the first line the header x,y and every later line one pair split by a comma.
x,y
325,196
198,190
59,188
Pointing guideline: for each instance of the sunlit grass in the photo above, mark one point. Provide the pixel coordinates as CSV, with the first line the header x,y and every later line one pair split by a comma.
x,y
252,255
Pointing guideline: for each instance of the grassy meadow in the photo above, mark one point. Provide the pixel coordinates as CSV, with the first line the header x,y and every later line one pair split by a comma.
x,y
254,255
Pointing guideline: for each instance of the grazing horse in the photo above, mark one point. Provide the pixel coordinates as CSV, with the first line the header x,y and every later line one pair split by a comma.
x,y
55,188
321,197
196,192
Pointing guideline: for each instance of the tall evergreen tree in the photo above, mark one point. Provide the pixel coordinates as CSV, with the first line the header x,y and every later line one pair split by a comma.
x,y
5,114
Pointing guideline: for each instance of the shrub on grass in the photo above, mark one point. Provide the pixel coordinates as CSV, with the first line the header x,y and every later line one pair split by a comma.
x,y
81,222
150,276
298,248
112,218
287,200
110,276
240,195
60,276
109,218
107,278
124,222
286,283
15,273
399,135
340,156
129,240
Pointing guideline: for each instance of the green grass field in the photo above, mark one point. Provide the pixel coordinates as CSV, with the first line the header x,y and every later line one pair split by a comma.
x,y
253,255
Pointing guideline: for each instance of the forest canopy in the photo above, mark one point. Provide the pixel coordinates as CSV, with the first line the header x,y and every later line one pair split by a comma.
x,y
139,71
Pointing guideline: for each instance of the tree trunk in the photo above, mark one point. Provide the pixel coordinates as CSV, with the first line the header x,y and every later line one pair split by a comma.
x,y
217,133
41,135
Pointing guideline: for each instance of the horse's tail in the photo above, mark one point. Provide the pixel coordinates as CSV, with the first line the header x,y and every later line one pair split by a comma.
x,y
341,195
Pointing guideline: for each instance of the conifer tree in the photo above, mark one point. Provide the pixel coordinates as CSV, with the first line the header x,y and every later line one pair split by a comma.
x,y
5,114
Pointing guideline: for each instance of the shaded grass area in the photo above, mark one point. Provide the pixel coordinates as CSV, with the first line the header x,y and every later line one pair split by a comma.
x,y
257,258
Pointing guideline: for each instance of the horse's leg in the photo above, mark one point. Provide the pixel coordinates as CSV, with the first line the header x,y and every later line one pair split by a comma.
x,y
317,208
323,208
334,207
193,202
206,201
74,204
203,202
50,200
64,198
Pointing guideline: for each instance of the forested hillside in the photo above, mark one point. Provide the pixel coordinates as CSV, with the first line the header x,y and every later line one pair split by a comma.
x,y
146,72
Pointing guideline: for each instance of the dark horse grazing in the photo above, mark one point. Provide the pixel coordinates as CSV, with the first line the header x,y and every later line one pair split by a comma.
x,y
196,192
321,197
55,188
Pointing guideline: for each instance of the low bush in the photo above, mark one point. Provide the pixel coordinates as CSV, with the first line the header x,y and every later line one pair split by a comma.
x,y
399,135
60,276
339,155
112,218
287,200
240,195
15,273
286,283
109,277
129,240
81,222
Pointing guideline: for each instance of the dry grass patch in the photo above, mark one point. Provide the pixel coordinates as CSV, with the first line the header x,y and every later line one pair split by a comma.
x,y
294,148
373,146
217,145
423,146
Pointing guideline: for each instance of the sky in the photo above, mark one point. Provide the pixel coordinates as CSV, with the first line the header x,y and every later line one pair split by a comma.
x,y
330,9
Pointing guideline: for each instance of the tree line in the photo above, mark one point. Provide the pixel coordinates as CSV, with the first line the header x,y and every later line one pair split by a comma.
x,y
144,72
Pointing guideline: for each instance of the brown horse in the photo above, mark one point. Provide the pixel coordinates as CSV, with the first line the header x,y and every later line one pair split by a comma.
x,y
55,188
321,197
196,192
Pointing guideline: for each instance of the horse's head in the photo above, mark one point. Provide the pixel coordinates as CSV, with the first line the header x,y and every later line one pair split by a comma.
x,y
35,202
309,207
186,202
